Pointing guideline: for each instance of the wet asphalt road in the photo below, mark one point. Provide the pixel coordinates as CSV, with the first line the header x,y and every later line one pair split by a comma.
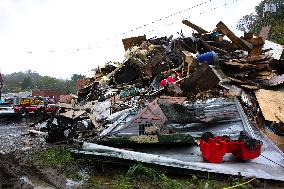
x,y
14,135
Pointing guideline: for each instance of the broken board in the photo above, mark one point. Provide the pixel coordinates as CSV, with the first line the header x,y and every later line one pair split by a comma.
x,y
271,104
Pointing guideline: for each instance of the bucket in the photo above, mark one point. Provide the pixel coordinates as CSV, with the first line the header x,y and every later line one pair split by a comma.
x,y
210,57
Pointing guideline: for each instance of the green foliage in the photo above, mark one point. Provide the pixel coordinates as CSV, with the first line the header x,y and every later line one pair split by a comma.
x,y
254,22
76,77
22,81
246,23
57,157
148,174
26,83
54,157
139,176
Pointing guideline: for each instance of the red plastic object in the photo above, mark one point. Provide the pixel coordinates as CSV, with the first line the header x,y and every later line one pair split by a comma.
x,y
163,82
170,79
215,148
243,153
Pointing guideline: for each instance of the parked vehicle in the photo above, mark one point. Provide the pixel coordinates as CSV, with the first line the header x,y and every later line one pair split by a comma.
x,y
36,105
6,109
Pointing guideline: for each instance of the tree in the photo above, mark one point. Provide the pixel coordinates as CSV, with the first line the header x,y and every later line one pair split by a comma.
x,y
76,77
255,21
246,23
26,83
47,82
20,81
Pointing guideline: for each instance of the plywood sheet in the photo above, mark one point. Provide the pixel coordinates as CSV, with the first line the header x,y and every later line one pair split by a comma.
x,y
271,104
278,140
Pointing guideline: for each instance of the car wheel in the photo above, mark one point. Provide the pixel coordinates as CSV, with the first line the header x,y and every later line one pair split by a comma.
x,y
23,112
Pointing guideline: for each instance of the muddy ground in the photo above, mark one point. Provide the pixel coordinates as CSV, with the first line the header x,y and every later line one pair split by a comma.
x,y
27,162
20,166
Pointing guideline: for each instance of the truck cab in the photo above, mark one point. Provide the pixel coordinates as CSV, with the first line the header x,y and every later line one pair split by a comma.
x,y
34,105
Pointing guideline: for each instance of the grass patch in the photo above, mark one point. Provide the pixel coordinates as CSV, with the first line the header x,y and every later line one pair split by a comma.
x,y
139,176
53,157
117,177
58,158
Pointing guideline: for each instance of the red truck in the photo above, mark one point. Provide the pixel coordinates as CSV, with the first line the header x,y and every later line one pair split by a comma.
x,y
36,105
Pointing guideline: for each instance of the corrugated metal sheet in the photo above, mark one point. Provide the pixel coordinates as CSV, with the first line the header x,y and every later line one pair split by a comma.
x,y
189,157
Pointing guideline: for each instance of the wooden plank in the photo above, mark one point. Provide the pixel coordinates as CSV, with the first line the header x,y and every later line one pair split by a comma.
x,y
209,47
237,41
256,58
171,99
195,27
250,87
278,140
248,35
255,53
130,42
240,65
271,104
257,41
201,80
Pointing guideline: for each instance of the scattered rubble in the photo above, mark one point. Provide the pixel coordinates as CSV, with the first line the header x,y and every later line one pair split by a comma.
x,y
170,91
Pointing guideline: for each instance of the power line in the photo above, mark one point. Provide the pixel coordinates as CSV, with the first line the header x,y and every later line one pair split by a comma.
x,y
169,24
145,25
166,17
161,28
204,12
91,47
163,18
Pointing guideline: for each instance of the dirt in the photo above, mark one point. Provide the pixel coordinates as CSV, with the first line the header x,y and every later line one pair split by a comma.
x,y
27,162
15,173
24,161
15,146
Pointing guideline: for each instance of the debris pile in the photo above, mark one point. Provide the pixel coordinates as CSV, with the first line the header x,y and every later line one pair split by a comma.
x,y
170,91
205,64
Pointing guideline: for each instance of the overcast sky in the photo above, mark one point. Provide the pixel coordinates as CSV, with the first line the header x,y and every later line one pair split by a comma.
x,y
62,37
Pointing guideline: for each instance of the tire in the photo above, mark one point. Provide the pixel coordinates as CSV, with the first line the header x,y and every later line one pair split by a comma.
x,y
23,112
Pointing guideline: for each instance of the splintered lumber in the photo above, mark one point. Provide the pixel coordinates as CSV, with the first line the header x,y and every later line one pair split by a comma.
x,y
195,27
237,41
